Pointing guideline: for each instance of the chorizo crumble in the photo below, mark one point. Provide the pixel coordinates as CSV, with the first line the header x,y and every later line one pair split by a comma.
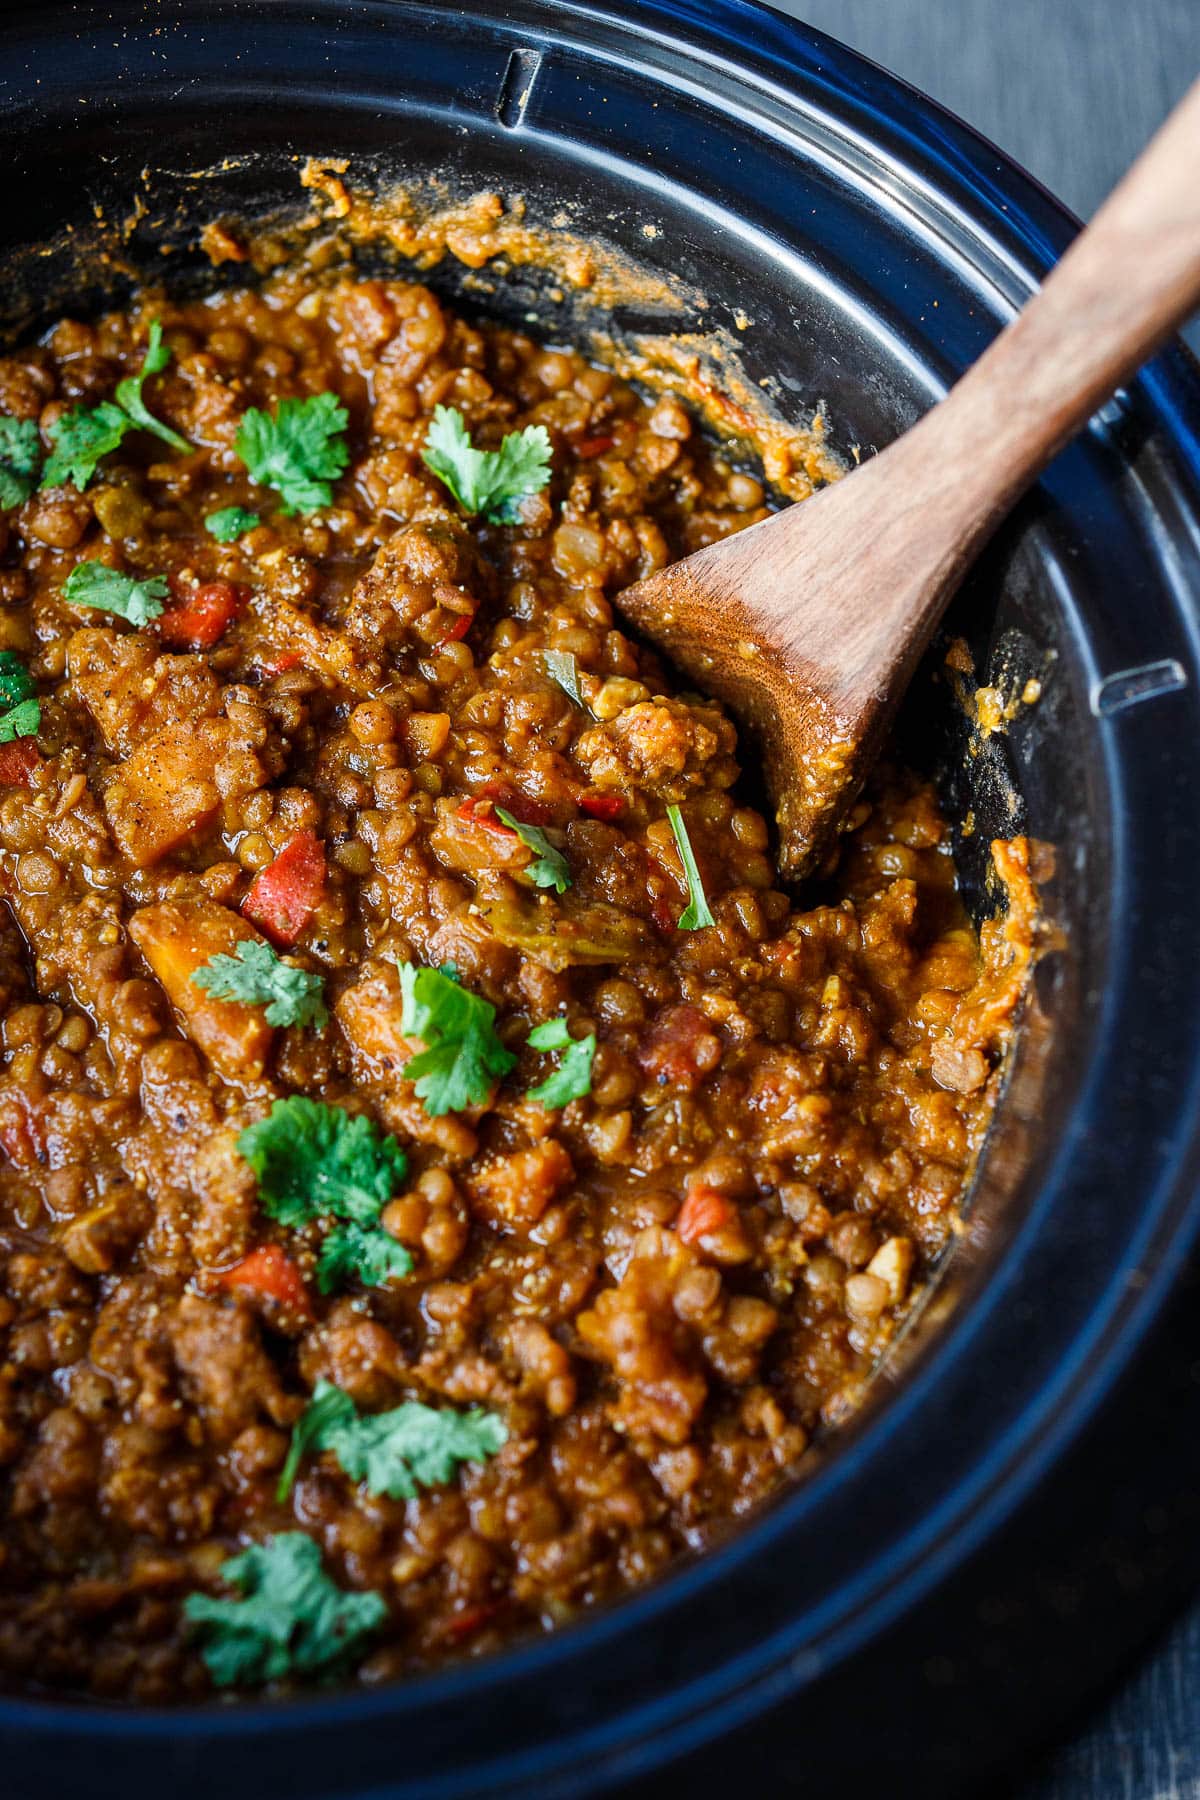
x,y
442,1176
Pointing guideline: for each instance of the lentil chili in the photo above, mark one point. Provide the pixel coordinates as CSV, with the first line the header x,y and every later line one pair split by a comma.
x,y
502,1336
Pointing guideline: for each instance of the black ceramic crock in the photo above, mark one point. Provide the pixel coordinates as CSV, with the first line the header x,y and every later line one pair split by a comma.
x,y
1017,1507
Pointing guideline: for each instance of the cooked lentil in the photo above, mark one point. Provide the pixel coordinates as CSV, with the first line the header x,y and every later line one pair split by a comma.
x,y
663,1288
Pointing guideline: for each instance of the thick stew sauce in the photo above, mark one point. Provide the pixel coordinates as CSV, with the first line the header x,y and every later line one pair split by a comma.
x,y
443,1177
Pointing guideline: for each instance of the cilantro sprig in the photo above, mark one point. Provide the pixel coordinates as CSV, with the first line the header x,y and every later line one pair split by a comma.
x,y
572,1079
82,436
129,391
491,482
20,454
315,1161
290,1619
299,450
20,712
463,1057
312,1159
230,523
257,976
549,868
107,590
395,1453
695,915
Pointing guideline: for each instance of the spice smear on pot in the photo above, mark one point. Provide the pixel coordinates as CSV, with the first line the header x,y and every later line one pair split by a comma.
x,y
442,1176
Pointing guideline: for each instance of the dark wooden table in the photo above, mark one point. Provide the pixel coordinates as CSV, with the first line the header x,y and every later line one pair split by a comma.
x,y
1072,89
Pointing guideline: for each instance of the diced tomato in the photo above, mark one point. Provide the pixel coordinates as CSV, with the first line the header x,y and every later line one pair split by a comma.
x,y
703,1211
22,1137
287,659
18,760
680,1048
522,806
603,806
270,1272
589,447
203,614
459,629
478,811
284,896
468,1621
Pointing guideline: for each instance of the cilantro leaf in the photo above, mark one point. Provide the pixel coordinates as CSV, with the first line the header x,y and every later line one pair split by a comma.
x,y
257,976
572,1079
20,721
463,1057
20,454
291,1618
16,683
231,523
695,914
368,1251
95,584
549,868
394,1453
79,439
129,391
562,667
298,452
490,482
314,1160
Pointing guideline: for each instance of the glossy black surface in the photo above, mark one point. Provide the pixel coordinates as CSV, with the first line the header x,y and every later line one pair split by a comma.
x,y
946,1583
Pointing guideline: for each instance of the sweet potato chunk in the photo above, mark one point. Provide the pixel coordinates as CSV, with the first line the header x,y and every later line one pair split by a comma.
x,y
176,939
369,1014
163,792
131,692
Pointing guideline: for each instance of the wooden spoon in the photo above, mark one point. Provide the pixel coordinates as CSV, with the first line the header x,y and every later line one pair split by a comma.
x,y
811,623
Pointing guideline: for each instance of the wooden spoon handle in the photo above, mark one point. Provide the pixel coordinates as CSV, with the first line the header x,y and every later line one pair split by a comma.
x,y
1129,280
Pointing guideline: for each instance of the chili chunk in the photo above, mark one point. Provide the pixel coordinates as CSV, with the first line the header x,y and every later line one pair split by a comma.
x,y
443,1177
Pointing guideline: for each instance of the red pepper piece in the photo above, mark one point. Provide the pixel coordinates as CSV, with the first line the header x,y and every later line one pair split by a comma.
x,y
284,896
22,1135
270,1272
589,447
203,615
477,810
287,659
459,629
18,760
522,807
703,1211
603,806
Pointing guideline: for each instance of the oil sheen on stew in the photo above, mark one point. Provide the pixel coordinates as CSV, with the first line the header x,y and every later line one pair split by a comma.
x,y
442,1177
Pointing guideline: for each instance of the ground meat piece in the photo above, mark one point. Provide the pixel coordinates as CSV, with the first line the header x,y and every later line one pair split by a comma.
x,y
426,569
654,1355
226,1374
665,746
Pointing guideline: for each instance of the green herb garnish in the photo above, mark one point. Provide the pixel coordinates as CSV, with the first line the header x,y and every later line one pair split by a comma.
x,y
366,1251
20,454
291,1618
256,976
463,1057
491,482
129,391
16,683
314,1160
299,451
695,914
572,1079
20,721
81,437
562,667
394,1453
549,868
231,523
95,584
